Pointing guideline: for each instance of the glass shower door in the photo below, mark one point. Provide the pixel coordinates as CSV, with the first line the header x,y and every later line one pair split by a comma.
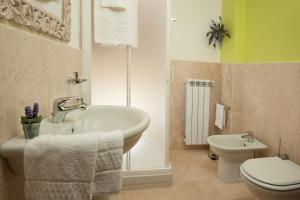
x,y
149,84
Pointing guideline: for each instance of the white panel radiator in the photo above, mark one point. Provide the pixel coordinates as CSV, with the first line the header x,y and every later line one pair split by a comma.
x,y
197,94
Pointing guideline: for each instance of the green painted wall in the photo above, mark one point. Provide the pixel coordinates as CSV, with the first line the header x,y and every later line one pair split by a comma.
x,y
262,30
234,18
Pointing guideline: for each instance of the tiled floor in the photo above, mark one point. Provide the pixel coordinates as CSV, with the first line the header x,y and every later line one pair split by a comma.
x,y
194,179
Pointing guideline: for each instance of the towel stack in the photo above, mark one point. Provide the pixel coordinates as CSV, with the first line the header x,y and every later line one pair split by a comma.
x,y
115,22
73,167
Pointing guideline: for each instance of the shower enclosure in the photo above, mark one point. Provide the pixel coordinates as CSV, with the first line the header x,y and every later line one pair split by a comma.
x,y
106,67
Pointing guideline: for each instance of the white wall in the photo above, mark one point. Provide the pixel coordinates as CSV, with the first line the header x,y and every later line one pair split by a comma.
x,y
75,24
188,33
87,48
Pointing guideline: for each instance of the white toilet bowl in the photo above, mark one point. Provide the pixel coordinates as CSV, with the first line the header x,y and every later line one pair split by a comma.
x,y
272,178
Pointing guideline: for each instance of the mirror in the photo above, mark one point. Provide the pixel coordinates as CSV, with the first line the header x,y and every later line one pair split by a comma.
x,y
51,17
55,7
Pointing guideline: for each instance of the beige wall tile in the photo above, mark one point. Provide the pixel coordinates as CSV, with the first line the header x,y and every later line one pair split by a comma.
x,y
183,70
265,98
226,94
33,69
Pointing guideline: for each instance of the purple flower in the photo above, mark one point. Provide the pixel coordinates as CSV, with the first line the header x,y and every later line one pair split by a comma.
x,y
35,110
28,112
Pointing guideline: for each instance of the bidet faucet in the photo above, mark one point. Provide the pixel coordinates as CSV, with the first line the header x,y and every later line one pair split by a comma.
x,y
62,106
249,136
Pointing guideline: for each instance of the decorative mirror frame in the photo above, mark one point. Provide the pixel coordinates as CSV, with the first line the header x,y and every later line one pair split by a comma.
x,y
28,14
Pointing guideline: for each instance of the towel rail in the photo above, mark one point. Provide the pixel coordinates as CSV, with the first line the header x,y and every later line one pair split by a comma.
x,y
226,108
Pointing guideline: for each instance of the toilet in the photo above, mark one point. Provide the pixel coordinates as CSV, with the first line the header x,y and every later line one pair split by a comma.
x,y
272,178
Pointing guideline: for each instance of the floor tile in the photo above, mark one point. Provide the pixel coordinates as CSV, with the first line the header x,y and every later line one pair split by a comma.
x,y
194,179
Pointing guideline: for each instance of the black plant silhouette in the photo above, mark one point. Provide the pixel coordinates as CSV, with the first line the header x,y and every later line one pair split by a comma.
x,y
217,33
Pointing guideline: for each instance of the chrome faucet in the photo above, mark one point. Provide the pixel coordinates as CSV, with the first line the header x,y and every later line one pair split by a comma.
x,y
62,106
249,136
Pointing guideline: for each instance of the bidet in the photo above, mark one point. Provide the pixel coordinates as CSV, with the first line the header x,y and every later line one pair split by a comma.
x,y
232,151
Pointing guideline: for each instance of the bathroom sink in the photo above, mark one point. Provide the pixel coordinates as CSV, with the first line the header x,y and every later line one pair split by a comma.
x,y
132,121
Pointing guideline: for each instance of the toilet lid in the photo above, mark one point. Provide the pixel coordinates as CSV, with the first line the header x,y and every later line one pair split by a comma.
x,y
272,172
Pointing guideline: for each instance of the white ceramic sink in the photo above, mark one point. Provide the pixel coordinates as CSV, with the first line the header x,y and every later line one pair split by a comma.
x,y
132,121
232,151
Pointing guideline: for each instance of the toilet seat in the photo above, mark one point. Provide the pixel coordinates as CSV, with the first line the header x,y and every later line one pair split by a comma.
x,y
272,173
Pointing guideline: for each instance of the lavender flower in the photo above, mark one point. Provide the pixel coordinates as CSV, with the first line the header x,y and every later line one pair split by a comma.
x,y
28,112
35,110
31,115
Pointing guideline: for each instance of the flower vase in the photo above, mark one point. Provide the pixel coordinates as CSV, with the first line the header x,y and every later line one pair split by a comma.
x,y
31,130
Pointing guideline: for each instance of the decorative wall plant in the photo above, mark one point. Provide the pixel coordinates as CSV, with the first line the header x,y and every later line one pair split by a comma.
x,y
217,33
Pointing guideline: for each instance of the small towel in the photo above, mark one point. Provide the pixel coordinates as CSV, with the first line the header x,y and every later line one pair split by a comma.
x,y
114,4
116,27
108,172
60,167
220,116
73,167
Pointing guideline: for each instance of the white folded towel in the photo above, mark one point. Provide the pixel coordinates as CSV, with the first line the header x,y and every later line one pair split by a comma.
x,y
114,4
220,116
116,27
73,167
60,167
108,172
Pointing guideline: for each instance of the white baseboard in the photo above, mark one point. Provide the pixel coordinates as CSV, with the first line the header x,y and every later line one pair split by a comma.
x,y
143,179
